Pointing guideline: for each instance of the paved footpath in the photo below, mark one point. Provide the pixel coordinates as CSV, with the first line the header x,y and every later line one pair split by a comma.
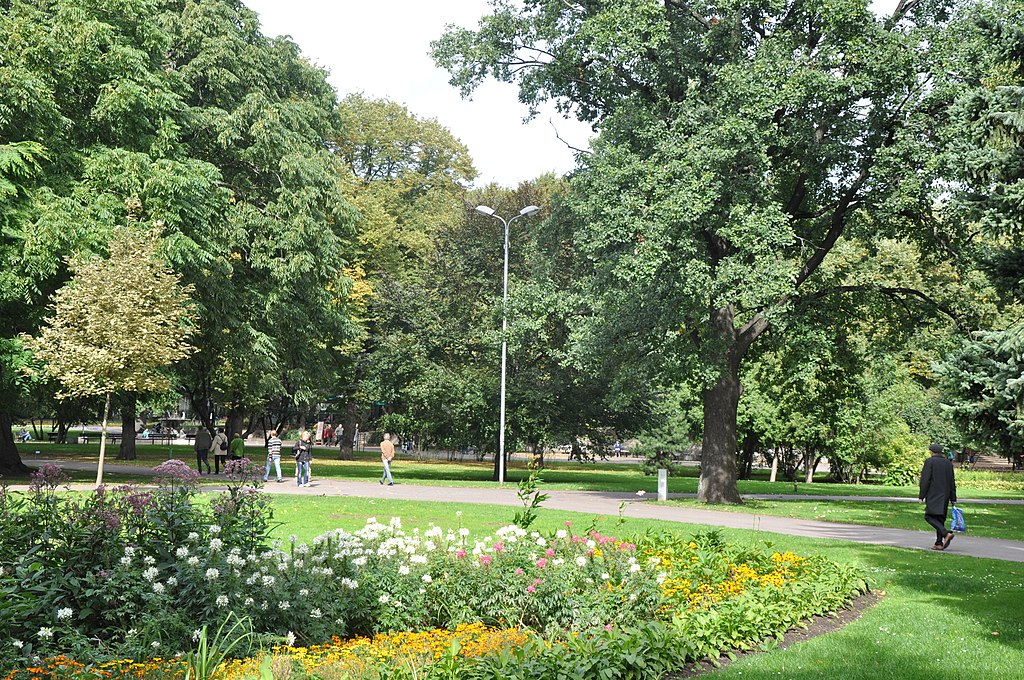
x,y
608,503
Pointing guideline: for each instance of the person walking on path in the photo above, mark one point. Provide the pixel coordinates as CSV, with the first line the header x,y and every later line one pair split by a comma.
x,y
938,490
202,448
236,450
220,450
387,454
303,452
273,456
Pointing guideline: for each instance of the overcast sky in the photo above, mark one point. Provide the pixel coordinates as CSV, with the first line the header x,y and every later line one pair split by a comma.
x,y
380,49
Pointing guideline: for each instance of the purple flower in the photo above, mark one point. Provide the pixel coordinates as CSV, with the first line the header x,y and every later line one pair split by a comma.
x,y
49,477
175,470
240,470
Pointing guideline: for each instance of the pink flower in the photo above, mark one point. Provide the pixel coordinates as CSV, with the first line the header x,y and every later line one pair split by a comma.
x,y
499,547
519,571
550,552
568,523
609,627
485,560
460,553
531,589
541,563
536,581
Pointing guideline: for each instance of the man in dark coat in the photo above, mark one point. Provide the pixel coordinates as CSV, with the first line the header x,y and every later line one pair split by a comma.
x,y
938,490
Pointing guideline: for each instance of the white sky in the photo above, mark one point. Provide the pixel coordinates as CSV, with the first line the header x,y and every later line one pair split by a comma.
x,y
381,49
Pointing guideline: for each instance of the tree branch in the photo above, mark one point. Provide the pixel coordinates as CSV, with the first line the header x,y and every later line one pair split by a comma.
x,y
897,293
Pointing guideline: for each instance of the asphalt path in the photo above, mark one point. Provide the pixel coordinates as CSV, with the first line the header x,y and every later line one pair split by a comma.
x,y
608,503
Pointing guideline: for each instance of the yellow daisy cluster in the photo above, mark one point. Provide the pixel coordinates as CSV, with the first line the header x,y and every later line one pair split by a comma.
x,y
359,657
680,589
60,667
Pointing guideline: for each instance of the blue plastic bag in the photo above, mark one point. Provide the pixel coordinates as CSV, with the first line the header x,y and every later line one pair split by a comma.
x,y
958,525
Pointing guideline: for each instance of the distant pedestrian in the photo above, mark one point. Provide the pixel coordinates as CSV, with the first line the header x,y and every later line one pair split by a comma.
x,y
236,449
303,452
273,456
387,454
938,490
202,448
220,450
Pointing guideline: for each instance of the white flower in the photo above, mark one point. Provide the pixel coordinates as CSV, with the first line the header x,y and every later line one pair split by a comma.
x,y
181,553
284,604
196,633
65,613
292,538
426,578
561,533
464,532
129,550
581,561
171,581
359,561
212,574
591,544
150,561
154,644
214,528
634,568
557,562
606,576
222,600
458,513
396,522
131,632
268,581
403,570
290,639
158,588
150,573
249,602
304,592
192,537
18,643
316,614
126,560
45,633
193,561
216,544
541,542
384,599
418,559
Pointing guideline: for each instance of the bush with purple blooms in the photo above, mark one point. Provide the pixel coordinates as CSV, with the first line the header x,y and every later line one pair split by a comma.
x,y
95,555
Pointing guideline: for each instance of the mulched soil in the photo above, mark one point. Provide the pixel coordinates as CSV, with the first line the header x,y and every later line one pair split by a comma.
x,y
819,625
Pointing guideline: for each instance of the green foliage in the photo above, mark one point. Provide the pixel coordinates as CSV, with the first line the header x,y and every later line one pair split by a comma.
x,y
97,342
531,497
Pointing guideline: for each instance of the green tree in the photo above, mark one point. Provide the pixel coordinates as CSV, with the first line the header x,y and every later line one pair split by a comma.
x,y
116,325
738,142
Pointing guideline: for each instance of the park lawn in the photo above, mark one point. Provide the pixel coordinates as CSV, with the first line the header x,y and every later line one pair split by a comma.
x,y
991,520
600,476
942,615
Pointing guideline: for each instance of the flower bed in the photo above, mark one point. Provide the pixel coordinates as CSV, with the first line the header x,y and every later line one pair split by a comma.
x,y
518,603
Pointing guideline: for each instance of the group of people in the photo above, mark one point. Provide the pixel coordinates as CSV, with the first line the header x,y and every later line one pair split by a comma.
x,y
223,449
302,451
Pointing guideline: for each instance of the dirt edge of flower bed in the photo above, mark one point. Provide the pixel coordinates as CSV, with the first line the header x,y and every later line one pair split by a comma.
x,y
818,625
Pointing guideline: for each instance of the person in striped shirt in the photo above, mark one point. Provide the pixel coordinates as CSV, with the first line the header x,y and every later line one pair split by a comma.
x,y
273,455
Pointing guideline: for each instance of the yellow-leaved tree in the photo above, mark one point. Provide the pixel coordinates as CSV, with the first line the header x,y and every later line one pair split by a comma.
x,y
117,324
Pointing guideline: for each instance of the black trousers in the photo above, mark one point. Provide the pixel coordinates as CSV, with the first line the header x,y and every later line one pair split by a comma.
x,y
939,522
202,458
218,460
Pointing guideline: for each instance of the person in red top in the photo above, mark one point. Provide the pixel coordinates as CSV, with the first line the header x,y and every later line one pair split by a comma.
x,y
387,454
938,490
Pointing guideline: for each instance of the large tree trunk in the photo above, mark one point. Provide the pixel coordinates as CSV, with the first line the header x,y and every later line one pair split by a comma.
x,y
718,454
348,430
10,460
129,407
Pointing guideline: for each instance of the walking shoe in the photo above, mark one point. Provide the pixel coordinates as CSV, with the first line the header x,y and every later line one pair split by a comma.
x,y
279,480
381,481
949,539
391,483
937,546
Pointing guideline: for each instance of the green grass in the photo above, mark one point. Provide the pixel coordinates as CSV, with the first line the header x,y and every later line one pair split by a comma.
x,y
983,519
942,615
622,477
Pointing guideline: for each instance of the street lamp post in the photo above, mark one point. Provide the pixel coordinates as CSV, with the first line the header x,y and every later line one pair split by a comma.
x,y
528,210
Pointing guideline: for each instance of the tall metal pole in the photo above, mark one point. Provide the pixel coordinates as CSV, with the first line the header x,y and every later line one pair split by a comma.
x,y
504,352
528,210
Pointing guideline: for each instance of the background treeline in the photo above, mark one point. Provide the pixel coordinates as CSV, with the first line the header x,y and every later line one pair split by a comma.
x,y
797,232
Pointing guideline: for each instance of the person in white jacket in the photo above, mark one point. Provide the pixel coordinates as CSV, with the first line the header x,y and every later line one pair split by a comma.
x,y
220,450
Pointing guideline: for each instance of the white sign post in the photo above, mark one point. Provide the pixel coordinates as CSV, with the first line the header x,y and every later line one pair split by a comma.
x,y
662,484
